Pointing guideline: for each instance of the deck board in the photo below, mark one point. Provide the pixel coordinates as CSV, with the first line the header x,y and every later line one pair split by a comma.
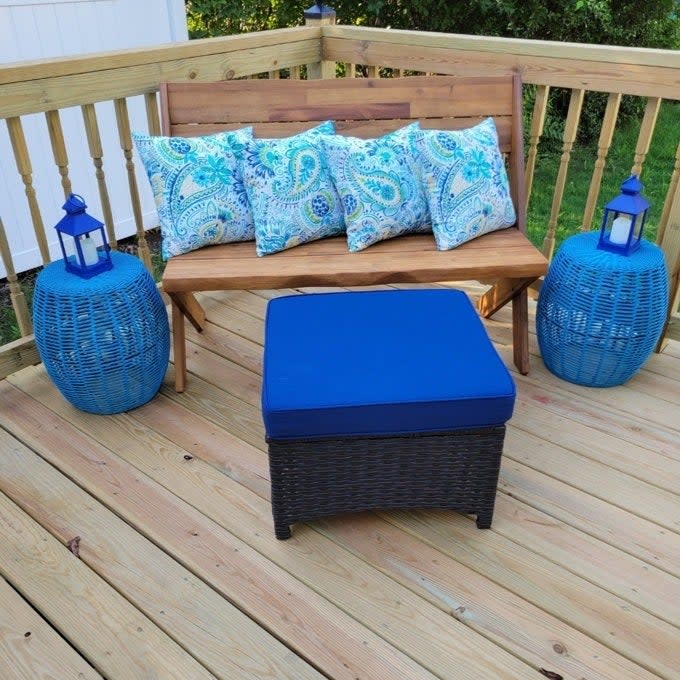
x,y
579,575
31,649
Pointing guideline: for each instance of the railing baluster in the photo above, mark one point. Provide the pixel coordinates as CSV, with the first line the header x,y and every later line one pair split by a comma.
x,y
350,70
123,120
537,123
274,75
152,118
645,136
603,145
372,71
59,148
23,162
570,130
94,143
295,73
673,190
669,241
16,295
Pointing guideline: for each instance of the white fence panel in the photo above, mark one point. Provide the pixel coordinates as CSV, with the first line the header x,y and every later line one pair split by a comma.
x,y
33,29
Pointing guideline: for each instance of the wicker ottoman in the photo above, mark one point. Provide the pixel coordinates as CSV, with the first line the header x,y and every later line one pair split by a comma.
x,y
382,399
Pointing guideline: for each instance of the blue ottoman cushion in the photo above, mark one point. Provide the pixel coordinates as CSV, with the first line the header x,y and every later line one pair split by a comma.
x,y
380,363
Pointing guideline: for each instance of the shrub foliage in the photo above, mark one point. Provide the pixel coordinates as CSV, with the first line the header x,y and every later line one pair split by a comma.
x,y
654,23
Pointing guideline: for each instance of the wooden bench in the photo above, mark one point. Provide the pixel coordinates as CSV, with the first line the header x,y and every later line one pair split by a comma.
x,y
366,108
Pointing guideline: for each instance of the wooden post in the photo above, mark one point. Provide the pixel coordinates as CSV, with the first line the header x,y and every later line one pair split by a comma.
x,y
15,293
570,129
23,162
537,123
669,242
320,15
645,136
59,149
606,135
94,143
125,138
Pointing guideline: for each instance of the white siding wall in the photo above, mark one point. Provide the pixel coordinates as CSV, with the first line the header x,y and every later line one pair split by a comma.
x,y
31,29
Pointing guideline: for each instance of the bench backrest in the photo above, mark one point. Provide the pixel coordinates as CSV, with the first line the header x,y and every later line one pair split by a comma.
x,y
362,107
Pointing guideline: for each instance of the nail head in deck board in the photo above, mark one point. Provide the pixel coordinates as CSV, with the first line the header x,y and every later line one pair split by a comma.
x,y
46,655
596,622
624,575
431,643
220,636
636,536
472,597
583,605
109,632
316,629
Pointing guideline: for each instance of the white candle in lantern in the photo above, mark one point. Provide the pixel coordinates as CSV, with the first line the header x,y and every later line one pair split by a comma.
x,y
620,230
89,248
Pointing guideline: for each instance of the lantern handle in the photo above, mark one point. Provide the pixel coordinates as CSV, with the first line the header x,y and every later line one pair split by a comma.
x,y
74,204
632,186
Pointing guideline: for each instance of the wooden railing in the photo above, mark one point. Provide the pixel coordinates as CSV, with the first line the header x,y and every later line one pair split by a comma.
x,y
48,87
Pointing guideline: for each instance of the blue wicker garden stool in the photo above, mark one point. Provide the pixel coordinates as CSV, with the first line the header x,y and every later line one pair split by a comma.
x,y
382,399
600,314
105,341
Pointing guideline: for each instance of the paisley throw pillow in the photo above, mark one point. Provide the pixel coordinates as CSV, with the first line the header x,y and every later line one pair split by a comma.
x,y
465,182
198,189
291,193
378,184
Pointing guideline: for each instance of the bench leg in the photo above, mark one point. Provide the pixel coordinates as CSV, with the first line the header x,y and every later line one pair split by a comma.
x,y
179,348
502,292
183,304
520,331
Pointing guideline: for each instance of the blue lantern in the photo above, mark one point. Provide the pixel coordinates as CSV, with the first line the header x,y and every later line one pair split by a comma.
x,y
624,219
319,11
91,249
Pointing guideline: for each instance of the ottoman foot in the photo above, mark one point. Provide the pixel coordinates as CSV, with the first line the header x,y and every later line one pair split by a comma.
x,y
282,531
484,519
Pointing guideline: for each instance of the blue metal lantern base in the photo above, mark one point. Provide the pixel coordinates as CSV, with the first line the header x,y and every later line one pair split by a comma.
x,y
105,341
599,314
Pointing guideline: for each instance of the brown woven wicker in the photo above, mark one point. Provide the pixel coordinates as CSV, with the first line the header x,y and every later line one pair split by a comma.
x,y
454,470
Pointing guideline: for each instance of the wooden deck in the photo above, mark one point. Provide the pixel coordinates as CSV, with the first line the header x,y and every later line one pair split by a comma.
x,y
178,574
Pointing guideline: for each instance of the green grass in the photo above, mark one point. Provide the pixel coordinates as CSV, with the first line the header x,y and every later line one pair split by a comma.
x,y
656,175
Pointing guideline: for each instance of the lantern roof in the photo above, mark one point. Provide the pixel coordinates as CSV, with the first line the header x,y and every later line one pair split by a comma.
x,y
630,200
319,11
77,222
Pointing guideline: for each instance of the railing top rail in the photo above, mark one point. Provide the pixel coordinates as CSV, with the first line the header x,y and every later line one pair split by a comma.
x,y
40,69
641,56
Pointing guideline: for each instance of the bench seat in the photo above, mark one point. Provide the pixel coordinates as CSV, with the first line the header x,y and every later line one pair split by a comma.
x,y
362,107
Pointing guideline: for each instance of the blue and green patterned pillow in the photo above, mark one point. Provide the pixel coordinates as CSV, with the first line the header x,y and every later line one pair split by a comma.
x,y
465,182
377,180
198,189
291,192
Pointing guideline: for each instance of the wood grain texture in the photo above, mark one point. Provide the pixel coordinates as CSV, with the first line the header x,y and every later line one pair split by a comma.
x,y
104,80
603,144
327,263
575,554
17,297
394,613
220,636
343,99
17,355
315,628
30,649
639,71
568,139
116,639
